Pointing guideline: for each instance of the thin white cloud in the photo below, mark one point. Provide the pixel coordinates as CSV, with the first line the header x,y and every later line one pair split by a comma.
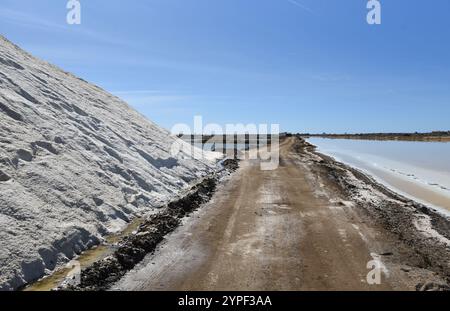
x,y
157,99
137,92
28,20
150,97
297,3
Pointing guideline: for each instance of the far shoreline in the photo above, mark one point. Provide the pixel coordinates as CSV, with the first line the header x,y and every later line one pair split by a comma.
x,y
435,136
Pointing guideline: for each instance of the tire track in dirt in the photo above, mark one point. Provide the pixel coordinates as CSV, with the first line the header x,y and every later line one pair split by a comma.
x,y
268,230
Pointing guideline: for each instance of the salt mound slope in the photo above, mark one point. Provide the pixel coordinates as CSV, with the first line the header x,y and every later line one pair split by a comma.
x,y
75,163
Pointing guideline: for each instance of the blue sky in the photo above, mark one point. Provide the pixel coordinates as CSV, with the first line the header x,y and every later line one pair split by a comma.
x,y
308,65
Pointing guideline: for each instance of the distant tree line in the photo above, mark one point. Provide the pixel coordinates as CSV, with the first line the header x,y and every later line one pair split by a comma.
x,y
427,136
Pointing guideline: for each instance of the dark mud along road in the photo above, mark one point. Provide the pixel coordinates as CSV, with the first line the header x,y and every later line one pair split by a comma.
x,y
311,224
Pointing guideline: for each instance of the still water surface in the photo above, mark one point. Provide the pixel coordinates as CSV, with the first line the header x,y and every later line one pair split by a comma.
x,y
419,170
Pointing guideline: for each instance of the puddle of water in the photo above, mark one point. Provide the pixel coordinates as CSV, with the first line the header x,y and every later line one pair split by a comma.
x,y
86,259
93,255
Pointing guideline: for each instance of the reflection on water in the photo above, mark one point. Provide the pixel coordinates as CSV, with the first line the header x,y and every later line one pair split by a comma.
x,y
420,170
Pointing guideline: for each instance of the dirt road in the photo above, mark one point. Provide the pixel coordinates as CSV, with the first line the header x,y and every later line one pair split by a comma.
x,y
284,229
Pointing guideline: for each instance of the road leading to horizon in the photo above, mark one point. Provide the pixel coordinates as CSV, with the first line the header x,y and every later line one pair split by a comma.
x,y
263,230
